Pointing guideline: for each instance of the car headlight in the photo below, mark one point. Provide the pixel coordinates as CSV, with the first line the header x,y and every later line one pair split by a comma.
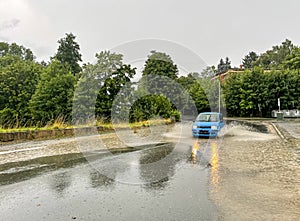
x,y
195,127
214,127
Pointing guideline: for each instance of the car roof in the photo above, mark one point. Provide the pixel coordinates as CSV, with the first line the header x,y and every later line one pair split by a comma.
x,y
210,113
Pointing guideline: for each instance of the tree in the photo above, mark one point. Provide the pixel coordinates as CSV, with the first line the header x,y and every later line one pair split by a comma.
x,y
274,58
68,52
199,97
255,92
110,89
160,75
242,92
93,77
18,80
151,106
208,72
16,50
4,48
54,93
160,93
224,66
249,60
159,63
187,81
292,61
193,86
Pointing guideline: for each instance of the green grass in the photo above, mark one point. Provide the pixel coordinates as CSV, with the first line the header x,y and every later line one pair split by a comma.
x,y
60,124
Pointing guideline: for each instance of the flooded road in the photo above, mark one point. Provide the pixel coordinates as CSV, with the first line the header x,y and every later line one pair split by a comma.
x,y
247,174
85,194
260,177
123,185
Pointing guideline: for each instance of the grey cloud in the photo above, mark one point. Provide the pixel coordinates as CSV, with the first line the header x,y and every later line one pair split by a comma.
x,y
2,38
8,24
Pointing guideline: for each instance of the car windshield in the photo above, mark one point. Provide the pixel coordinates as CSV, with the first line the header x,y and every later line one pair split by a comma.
x,y
207,118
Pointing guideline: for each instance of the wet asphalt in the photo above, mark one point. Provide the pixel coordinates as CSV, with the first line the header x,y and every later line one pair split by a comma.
x,y
163,181
247,174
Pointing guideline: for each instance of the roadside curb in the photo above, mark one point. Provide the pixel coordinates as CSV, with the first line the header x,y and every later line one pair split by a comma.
x,y
21,136
279,132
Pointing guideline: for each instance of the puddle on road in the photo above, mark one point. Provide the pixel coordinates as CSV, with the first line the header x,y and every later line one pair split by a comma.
x,y
23,170
85,193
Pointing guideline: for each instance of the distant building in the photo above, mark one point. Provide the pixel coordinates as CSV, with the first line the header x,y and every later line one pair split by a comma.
x,y
222,76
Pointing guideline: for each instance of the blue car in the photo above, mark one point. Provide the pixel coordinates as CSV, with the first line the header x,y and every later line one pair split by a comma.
x,y
208,124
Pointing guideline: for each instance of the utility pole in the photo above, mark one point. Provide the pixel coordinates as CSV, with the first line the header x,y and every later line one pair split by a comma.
x,y
219,96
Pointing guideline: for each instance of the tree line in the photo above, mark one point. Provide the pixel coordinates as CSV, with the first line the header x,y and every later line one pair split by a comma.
x,y
274,74
38,93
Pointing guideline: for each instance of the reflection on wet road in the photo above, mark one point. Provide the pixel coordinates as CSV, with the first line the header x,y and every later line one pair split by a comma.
x,y
214,162
160,182
208,152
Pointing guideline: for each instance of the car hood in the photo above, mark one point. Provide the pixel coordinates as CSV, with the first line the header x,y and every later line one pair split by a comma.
x,y
198,123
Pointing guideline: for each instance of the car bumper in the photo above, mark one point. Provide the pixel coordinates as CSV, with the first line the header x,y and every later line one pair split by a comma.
x,y
205,133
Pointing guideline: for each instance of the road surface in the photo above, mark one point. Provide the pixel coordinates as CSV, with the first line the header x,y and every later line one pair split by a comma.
x,y
244,175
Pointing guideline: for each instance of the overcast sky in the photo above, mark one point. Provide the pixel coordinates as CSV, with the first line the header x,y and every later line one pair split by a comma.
x,y
212,29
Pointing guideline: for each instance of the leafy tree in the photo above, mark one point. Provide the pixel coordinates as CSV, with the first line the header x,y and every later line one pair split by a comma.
x,y
255,92
4,48
160,75
149,107
93,78
199,97
18,79
54,93
110,89
274,58
224,66
242,92
208,72
159,85
249,60
159,63
16,50
68,52
187,81
194,88
292,61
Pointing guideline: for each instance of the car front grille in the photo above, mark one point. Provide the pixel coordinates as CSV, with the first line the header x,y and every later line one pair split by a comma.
x,y
203,132
204,126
